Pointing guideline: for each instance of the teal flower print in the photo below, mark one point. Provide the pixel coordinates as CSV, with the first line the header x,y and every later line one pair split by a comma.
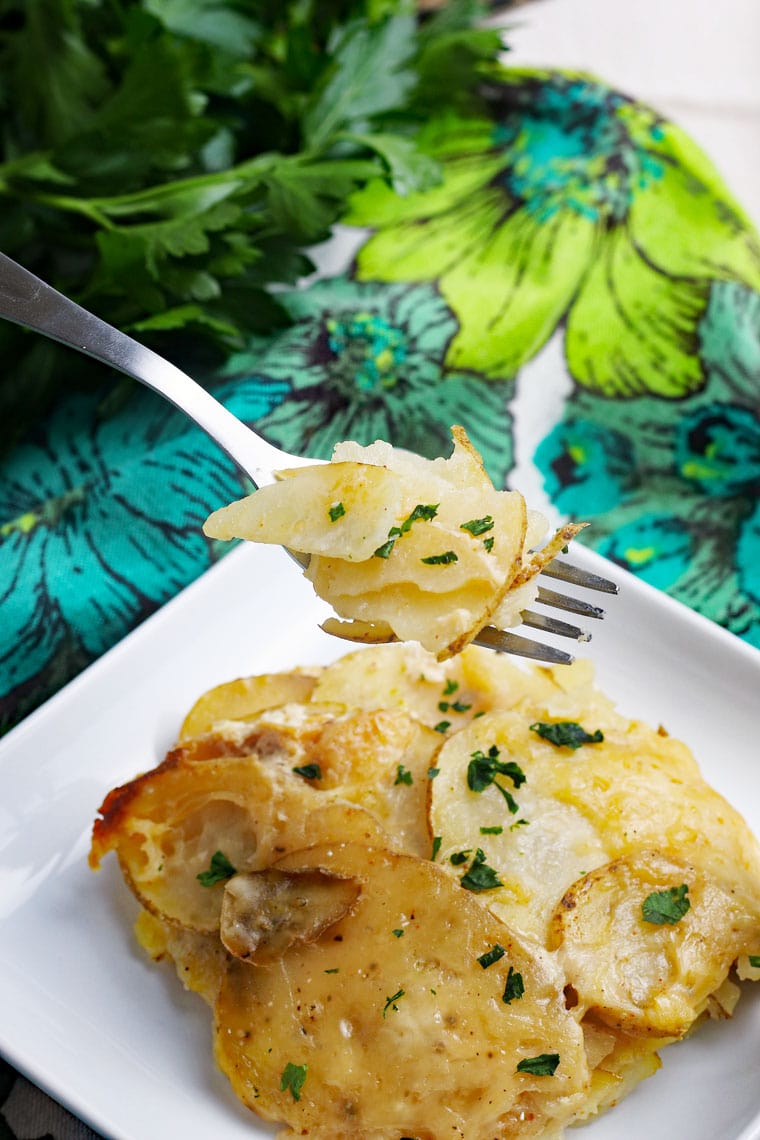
x,y
587,468
717,448
678,482
364,363
657,547
100,525
748,560
572,207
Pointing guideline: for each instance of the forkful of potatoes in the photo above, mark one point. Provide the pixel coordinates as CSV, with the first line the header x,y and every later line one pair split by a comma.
x,y
402,548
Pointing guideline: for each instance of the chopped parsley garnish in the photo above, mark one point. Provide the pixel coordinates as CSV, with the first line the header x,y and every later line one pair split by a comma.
x,y
437,841
566,734
544,1065
480,877
459,857
754,961
518,823
390,1002
432,773
444,559
497,830
477,527
450,687
485,767
488,544
384,550
442,726
337,511
514,988
421,511
219,869
455,706
666,908
333,970
403,775
493,955
397,932
309,771
293,1077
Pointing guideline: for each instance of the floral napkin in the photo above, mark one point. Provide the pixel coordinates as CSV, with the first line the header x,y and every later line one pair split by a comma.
x,y
581,292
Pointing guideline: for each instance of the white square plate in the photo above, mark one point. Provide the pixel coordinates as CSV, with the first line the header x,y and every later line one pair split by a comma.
x,y
84,1013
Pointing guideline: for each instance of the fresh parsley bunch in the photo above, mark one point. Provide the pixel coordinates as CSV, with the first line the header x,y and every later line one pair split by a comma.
x,y
166,162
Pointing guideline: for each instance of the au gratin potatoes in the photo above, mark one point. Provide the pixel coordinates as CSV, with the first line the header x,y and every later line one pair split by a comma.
x,y
404,547
433,899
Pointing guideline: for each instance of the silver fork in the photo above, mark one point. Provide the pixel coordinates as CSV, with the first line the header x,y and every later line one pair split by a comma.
x,y
30,302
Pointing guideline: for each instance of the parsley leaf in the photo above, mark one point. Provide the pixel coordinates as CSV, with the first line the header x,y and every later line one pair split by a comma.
x,y
479,876
171,161
337,511
493,955
514,987
544,1065
478,526
754,961
483,769
421,511
386,548
292,1080
309,771
403,775
666,908
444,559
566,734
390,1002
219,869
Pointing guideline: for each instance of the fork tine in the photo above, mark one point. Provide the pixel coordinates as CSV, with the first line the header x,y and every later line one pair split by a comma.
x,y
502,642
569,604
554,625
566,572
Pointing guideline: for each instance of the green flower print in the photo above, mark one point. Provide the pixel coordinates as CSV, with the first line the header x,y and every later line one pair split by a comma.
x,y
100,525
573,207
364,363
677,484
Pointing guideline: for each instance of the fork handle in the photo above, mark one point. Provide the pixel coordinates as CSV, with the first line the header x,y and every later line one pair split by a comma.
x,y
30,302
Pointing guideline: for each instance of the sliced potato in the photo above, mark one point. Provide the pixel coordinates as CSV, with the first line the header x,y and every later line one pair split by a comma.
x,y
264,913
199,959
389,1025
650,975
443,603
618,1063
581,808
257,788
241,698
403,676
402,548
365,501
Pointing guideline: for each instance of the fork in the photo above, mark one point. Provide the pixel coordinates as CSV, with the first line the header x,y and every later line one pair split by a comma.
x,y
30,302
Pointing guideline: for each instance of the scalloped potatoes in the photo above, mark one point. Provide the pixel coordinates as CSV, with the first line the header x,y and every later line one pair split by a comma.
x,y
432,899
403,548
